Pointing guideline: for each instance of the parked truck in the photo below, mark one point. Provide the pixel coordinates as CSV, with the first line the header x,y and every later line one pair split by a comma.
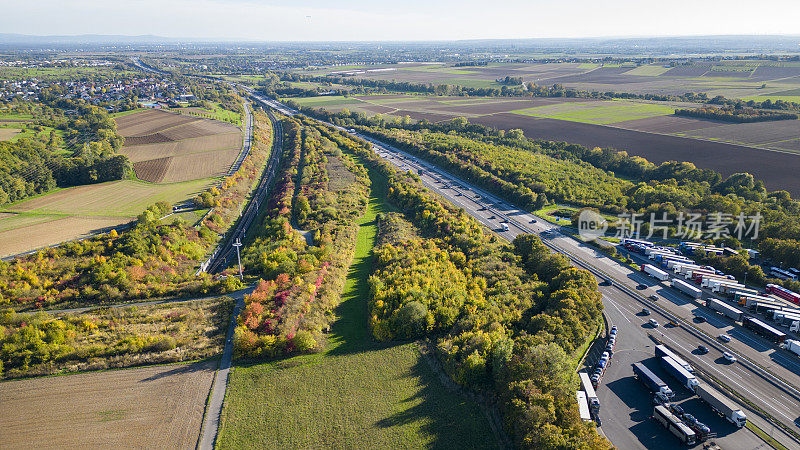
x,y
583,406
793,346
591,395
652,382
768,332
725,309
687,288
675,425
679,372
788,319
655,272
722,404
662,350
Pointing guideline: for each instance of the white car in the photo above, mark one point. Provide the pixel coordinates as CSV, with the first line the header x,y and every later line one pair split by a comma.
x,y
724,338
729,357
654,323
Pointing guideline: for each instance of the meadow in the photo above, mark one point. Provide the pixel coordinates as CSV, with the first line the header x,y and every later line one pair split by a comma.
x,y
357,393
603,112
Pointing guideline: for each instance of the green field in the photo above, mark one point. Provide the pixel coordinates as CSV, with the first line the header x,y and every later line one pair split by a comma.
x,y
648,70
774,98
598,112
125,198
358,394
215,112
440,69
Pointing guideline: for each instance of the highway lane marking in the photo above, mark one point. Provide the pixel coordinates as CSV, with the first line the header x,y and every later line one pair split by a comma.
x,y
615,307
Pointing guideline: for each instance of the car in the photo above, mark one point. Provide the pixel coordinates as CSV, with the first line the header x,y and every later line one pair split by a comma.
x,y
702,349
614,329
671,323
610,348
533,220
653,323
595,378
641,286
729,357
690,420
699,319
602,363
724,338
491,217
676,409
606,355
645,312
653,297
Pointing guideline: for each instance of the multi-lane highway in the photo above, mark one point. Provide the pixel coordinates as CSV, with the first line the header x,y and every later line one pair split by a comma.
x,y
622,410
626,406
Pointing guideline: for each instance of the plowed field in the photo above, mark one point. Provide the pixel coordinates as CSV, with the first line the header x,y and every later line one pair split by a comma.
x,y
149,407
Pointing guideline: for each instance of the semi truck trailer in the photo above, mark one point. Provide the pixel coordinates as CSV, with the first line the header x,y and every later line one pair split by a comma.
x,y
679,372
662,350
725,309
722,404
655,272
674,425
687,288
652,382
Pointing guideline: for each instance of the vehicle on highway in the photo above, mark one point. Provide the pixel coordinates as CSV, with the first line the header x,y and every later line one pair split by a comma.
x,y
491,217
702,349
653,323
653,297
671,323
699,319
724,338
645,312
729,357
641,286
533,220
504,226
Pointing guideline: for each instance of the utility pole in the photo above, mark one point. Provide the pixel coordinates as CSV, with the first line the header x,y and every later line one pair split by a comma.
x,y
238,244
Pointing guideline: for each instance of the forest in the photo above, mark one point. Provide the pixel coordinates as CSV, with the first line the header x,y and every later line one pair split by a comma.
x,y
304,247
156,257
505,319
735,114
533,173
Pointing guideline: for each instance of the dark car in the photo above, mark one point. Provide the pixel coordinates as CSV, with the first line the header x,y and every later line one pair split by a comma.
x,y
533,220
699,319
702,349
653,297
645,312
641,286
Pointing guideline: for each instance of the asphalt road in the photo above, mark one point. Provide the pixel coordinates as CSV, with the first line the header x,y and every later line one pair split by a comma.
x,y
625,411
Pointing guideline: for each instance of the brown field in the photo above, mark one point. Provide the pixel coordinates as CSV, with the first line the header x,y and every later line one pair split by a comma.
x,y
185,147
150,122
152,170
667,124
22,233
149,407
167,148
777,170
8,133
760,133
204,165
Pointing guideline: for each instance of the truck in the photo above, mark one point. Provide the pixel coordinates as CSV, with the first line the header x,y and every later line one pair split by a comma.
x,y
761,328
655,272
727,288
662,350
784,293
793,346
652,382
725,309
679,372
788,319
591,395
504,226
687,288
722,404
674,425
683,268
583,406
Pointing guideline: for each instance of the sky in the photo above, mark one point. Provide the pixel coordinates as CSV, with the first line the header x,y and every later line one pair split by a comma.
x,y
369,20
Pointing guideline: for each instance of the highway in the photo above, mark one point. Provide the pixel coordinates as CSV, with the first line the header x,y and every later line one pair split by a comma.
x,y
625,405
623,415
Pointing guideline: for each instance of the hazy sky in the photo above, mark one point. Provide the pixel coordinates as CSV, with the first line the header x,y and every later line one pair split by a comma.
x,y
321,20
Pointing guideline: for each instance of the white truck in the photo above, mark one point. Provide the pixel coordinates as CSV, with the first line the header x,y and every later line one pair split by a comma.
x,y
655,272
687,288
793,346
724,308
721,404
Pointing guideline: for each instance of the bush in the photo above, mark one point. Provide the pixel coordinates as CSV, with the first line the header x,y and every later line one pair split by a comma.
x,y
412,321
